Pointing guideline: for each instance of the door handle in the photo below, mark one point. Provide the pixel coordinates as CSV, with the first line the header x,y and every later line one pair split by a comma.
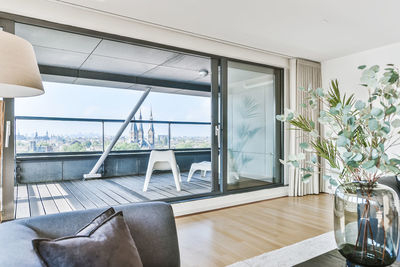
x,y
217,132
8,132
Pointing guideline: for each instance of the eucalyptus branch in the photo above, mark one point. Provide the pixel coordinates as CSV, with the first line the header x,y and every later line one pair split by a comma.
x,y
360,133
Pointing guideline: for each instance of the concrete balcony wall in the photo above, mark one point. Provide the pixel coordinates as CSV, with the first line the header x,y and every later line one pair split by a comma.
x,y
61,167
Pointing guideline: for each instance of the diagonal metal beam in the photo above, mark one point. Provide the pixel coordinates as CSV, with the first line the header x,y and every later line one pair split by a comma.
x,y
93,173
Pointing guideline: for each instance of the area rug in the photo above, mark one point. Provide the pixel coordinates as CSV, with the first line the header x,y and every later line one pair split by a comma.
x,y
293,254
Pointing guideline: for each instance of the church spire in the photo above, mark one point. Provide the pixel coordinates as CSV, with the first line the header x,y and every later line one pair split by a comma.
x,y
140,130
150,134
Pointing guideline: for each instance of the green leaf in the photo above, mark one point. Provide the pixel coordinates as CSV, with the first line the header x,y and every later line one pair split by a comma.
x,y
333,182
304,145
394,161
386,130
320,92
342,141
373,124
362,67
314,159
359,105
353,164
346,109
357,157
306,177
394,78
333,111
326,177
280,117
390,110
326,149
375,68
369,164
376,112
348,154
374,154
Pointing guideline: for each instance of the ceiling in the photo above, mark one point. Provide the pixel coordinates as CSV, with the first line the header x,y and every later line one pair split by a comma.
x,y
313,29
80,52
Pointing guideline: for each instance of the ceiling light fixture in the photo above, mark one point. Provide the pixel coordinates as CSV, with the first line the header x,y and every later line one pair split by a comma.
x,y
203,73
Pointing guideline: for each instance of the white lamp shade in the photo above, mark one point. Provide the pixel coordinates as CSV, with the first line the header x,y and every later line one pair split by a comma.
x,y
19,72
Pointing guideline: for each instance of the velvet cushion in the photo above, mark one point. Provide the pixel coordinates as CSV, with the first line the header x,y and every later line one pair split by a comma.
x,y
110,244
87,229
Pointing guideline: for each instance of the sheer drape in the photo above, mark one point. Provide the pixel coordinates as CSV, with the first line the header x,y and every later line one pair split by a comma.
x,y
307,74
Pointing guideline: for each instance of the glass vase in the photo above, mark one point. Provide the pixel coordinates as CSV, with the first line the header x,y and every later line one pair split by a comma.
x,y
366,223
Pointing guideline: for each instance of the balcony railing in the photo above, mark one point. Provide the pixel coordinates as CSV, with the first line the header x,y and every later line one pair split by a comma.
x,y
55,135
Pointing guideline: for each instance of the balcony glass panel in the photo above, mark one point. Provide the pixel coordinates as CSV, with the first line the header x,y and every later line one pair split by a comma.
x,y
190,136
39,136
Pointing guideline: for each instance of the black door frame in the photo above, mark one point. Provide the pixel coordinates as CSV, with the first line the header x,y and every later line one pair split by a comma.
x,y
218,92
8,162
279,129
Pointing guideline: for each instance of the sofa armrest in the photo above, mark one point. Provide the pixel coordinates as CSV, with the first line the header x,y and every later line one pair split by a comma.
x,y
153,228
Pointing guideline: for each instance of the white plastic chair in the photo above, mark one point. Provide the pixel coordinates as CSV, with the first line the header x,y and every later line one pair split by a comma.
x,y
163,161
203,166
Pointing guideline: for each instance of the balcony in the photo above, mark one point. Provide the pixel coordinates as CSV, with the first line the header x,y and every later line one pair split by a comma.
x,y
35,199
50,165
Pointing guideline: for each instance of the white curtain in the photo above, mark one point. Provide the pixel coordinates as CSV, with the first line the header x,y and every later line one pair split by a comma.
x,y
303,73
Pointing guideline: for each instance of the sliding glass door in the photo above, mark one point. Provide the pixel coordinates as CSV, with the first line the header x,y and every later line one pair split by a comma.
x,y
252,133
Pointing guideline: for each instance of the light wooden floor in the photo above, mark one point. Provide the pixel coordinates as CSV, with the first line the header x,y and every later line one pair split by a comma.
x,y
47,198
222,237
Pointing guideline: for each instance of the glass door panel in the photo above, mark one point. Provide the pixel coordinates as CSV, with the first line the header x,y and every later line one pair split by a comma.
x,y
251,126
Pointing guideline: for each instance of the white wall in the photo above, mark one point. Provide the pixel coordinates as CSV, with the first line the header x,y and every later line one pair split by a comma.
x,y
345,68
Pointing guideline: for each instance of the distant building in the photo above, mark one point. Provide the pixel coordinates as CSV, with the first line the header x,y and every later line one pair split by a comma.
x,y
134,133
150,134
163,139
43,138
32,146
137,133
140,130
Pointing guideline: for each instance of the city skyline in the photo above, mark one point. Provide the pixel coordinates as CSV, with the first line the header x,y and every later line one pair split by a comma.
x,y
79,101
71,101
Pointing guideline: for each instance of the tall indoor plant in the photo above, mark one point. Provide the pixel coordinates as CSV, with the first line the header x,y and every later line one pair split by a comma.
x,y
358,146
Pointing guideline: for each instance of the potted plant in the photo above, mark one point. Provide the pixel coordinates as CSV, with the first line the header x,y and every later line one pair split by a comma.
x,y
358,147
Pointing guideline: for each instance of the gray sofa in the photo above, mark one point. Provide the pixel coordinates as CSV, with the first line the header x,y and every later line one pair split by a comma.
x,y
152,226
392,182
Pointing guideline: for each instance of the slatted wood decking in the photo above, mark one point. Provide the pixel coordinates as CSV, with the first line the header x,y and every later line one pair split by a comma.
x,y
47,198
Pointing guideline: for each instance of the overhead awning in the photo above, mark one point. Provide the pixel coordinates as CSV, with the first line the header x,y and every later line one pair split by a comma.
x,y
79,59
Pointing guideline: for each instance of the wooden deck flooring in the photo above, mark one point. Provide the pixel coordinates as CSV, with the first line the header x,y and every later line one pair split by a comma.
x,y
47,198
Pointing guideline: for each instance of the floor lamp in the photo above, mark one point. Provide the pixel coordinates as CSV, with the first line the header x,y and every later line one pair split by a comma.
x,y
19,77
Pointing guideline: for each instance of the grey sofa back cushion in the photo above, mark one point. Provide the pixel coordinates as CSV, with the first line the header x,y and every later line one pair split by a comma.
x,y
108,245
152,224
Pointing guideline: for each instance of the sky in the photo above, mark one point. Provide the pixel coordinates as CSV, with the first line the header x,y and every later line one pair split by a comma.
x,y
79,101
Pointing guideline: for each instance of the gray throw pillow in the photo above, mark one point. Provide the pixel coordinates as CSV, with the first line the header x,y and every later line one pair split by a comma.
x,y
96,222
110,245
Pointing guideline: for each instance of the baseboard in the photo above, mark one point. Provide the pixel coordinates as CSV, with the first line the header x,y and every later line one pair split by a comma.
x,y
208,204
